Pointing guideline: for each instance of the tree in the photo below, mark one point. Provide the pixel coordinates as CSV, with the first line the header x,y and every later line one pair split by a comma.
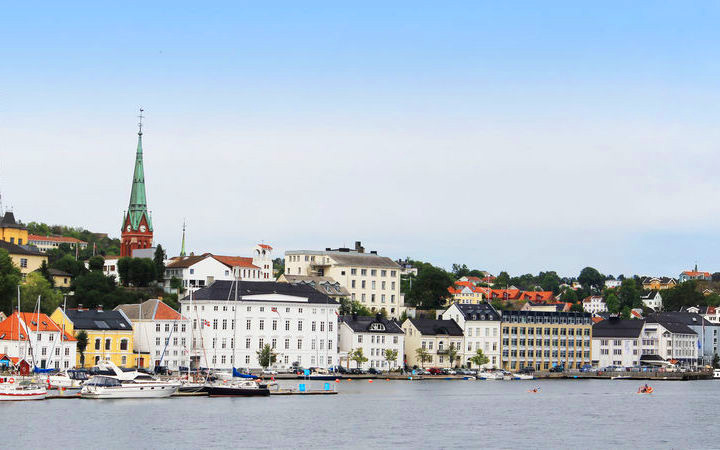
x,y
45,272
123,268
590,278
629,294
36,285
358,356
423,355
569,296
349,307
96,263
69,264
429,289
82,342
502,280
278,267
716,361
10,277
613,303
176,283
460,270
141,271
159,261
266,356
391,357
577,307
479,358
452,354
684,294
549,281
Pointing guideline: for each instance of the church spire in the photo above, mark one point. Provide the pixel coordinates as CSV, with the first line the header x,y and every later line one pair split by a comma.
x,y
138,198
182,248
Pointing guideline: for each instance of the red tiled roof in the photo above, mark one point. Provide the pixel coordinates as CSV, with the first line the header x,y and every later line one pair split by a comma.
x,y
164,312
71,240
236,261
597,319
265,246
9,326
691,273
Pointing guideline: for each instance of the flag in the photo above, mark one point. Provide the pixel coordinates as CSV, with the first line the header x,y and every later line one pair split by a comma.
x,y
206,323
275,310
337,313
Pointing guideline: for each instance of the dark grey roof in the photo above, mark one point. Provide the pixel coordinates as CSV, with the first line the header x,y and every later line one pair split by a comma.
x,y
225,290
481,311
29,250
58,273
671,325
92,319
351,258
615,327
553,316
362,324
430,327
651,358
326,285
8,221
686,318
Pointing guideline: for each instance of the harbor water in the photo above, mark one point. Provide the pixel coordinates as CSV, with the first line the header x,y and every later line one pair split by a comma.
x,y
387,414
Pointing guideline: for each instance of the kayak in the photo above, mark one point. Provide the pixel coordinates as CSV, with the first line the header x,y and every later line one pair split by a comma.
x,y
649,390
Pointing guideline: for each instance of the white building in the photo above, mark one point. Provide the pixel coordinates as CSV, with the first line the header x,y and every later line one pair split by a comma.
x,y
230,324
670,340
374,335
710,313
45,243
616,342
372,280
435,337
594,304
481,327
198,271
110,267
159,331
610,284
38,340
652,300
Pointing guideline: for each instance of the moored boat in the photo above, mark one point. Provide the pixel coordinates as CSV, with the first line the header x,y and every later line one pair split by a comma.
x,y
103,386
238,389
15,389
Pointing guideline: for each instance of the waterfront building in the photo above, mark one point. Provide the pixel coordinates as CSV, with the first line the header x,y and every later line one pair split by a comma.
x,y
694,274
670,340
12,231
326,285
198,271
371,279
594,304
652,300
37,339
26,257
45,243
159,332
707,333
137,227
374,335
710,313
481,331
541,306
542,340
233,320
110,335
436,337
616,342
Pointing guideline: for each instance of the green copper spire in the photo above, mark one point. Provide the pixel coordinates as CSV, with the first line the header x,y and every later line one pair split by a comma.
x,y
182,248
138,199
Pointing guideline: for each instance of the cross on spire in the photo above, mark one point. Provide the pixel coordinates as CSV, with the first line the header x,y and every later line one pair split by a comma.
x,y
140,123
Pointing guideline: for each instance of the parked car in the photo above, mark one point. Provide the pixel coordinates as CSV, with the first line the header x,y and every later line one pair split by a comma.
x,y
435,371
586,368
373,371
557,369
527,369
356,371
269,372
449,372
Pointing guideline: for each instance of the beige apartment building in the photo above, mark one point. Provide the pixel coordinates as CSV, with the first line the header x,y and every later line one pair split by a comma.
x,y
370,279
434,336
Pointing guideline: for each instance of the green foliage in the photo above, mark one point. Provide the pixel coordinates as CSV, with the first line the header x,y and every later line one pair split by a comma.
x,y
629,294
172,301
712,299
104,245
423,355
266,356
93,289
36,285
278,267
176,283
716,361
429,288
502,280
10,277
684,294
479,358
626,312
45,272
591,279
452,355
390,357
403,316
613,303
136,271
159,261
349,307
460,271
96,263
69,264
82,342
569,296
577,307
358,356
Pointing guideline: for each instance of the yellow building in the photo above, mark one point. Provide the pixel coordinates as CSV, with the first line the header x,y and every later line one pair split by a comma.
x,y
110,336
542,340
60,279
11,231
435,337
658,283
465,293
26,258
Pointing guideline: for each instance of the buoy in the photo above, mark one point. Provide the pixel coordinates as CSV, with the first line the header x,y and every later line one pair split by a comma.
x,y
11,380
337,380
370,381
387,379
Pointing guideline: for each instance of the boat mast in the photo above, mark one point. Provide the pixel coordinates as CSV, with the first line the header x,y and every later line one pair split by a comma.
x,y
234,322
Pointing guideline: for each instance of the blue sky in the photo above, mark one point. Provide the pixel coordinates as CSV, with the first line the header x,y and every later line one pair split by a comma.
x,y
519,137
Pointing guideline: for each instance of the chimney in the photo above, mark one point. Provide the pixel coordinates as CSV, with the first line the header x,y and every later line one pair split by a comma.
x,y
373,252
358,247
379,317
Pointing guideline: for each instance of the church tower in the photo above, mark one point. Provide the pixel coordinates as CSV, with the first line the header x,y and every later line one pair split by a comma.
x,y
137,229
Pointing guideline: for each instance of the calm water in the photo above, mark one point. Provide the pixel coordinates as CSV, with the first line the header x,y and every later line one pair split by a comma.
x,y
387,414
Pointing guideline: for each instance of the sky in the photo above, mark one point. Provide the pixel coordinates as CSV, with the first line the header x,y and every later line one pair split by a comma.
x,y
517,136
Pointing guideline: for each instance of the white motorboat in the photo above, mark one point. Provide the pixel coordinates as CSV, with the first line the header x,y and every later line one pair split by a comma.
x,y
716,373
496,375
69,379
522,376
15,389
131,384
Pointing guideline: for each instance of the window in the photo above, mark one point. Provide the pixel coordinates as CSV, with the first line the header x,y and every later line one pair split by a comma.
x,y
299,345
107,343
373,284
261,341
363,272
167,327
312,326
23,262
192,271
287,344
353,271
360,340
262,324
157,327
248,324
274,325
123,344
247,342
352,284
224,324
299,325
287,325
215,324
123,360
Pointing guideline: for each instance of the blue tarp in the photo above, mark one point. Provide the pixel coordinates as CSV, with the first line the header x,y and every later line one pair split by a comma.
x,y
39,370
236,373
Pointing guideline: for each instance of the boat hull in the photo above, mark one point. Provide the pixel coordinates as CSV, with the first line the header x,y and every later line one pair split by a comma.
x,y
161,391
229,391
20,395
